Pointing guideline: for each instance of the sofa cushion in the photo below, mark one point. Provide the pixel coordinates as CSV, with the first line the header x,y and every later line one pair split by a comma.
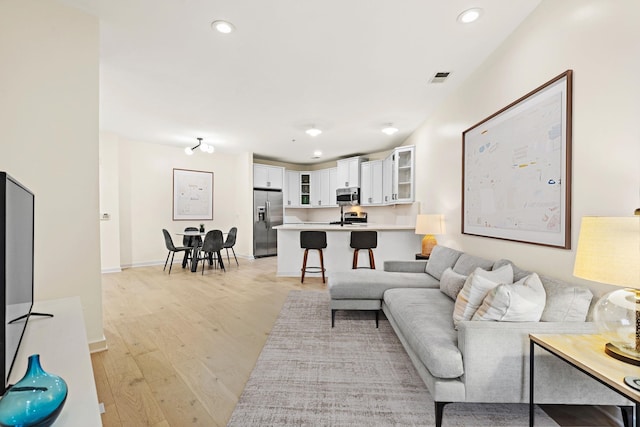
x,y
522,301
518,273
476,287
440,259
565,302
424,317
371,284
467,263
451,283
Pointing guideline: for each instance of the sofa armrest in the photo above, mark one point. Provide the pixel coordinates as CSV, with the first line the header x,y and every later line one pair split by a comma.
x,y
496,356
405,266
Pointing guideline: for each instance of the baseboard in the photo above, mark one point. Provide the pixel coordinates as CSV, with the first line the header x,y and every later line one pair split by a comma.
x,y
98,346
111,270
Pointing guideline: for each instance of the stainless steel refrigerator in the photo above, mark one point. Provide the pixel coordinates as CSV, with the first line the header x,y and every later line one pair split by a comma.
x,y
267,213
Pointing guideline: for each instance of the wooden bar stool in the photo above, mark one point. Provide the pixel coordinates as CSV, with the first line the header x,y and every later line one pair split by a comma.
x,y
364,240
313,240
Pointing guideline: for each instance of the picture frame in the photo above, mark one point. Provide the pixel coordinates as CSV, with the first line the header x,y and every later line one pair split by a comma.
x,y
192,195
516,169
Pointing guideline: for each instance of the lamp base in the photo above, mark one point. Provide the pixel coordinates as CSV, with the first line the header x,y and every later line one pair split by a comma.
x,y
616,353
428,242
633,382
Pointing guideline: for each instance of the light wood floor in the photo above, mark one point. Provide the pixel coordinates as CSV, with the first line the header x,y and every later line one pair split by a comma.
x,y
182,346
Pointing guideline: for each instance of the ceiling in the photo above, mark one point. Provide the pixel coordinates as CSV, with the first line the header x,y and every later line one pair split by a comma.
x,y
347,67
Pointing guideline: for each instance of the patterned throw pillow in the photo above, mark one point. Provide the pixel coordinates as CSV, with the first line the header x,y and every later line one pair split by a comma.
x,y
451,283
476,288
522,301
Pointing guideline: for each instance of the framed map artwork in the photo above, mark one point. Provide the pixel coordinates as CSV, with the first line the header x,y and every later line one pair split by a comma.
x,y
192,195
516,169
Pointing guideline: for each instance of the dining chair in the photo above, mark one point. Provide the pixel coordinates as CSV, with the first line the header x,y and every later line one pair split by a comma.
x,y
230,242
172,249
213,244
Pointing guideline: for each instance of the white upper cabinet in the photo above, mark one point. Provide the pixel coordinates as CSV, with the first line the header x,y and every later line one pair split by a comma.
x,y
323,188
265,176
403,174
292,189
349,172
371,183
387,179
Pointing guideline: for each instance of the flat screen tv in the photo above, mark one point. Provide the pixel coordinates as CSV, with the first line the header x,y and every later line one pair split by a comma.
x,y
16,268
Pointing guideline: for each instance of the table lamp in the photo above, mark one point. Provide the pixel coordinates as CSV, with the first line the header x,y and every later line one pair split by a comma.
x,y
609,252
429,225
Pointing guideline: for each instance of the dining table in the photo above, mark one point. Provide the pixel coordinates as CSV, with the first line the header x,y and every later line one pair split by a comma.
x,y
194,250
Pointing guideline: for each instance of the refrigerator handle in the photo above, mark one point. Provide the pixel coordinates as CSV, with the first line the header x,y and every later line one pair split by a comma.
x,y
267,205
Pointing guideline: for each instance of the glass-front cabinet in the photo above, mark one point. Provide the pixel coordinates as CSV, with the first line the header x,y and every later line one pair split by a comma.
x,y
403,174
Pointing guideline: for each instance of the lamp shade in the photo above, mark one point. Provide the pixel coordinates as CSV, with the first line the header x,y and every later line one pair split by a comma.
x,y
609,251
430,224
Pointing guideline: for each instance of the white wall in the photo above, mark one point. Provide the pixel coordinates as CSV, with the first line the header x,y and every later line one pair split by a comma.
x,y
49,142
599,40
144,189
109,204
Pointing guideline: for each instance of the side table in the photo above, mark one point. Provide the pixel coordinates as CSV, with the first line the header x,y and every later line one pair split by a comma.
x,y
420,256
586,353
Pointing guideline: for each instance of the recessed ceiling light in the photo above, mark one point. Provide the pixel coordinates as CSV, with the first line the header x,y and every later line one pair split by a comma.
x,y
313,131
317,154
223,27
470,15
389,130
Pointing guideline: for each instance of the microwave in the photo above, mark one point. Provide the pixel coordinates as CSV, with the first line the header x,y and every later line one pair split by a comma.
x,y
349,196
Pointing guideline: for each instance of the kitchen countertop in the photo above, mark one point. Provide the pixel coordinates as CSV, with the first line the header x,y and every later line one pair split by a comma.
x,y
325,226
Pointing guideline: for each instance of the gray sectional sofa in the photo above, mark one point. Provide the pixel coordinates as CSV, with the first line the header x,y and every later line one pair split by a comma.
x,y
479,361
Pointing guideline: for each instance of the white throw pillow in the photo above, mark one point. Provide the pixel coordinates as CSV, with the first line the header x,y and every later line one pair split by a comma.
x,y
476,288
522,301
451,283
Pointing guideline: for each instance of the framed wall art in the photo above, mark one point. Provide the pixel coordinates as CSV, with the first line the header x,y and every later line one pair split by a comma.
x,y
516,169
192,195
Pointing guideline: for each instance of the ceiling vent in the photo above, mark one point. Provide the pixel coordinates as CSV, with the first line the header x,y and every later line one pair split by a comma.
x,y
439,77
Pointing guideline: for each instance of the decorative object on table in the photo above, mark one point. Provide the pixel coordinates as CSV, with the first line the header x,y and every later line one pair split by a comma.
x,y
192,195
429,225
202,228
516,169
36,400
609,252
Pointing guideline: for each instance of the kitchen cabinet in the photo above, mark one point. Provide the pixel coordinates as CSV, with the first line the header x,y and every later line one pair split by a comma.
x,y
387,179
305,188
403,174
398,171
323,187
371,183
349,172
292,189
266,176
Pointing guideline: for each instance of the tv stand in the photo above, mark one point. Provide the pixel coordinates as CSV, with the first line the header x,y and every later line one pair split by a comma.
x,y
61,342
24,316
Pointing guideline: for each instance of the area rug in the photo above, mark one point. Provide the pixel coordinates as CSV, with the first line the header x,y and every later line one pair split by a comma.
x,y
309,374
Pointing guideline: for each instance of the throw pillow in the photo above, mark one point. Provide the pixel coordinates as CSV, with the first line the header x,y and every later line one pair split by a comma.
x,y
440,259
522,301
565,303
451,283
476,287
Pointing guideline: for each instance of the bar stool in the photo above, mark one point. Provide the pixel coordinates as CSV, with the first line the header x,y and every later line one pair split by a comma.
x,y
364,240
313,240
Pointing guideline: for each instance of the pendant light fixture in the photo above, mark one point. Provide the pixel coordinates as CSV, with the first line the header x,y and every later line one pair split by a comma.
x,y
205,148
389,129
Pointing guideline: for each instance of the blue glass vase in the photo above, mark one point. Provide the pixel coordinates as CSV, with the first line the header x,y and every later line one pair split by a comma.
x,y
34,401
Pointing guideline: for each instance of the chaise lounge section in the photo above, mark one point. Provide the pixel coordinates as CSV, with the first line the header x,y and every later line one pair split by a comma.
x,y
475,361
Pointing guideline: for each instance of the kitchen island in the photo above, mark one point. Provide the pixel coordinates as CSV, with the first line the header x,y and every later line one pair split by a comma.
x,y
395,242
